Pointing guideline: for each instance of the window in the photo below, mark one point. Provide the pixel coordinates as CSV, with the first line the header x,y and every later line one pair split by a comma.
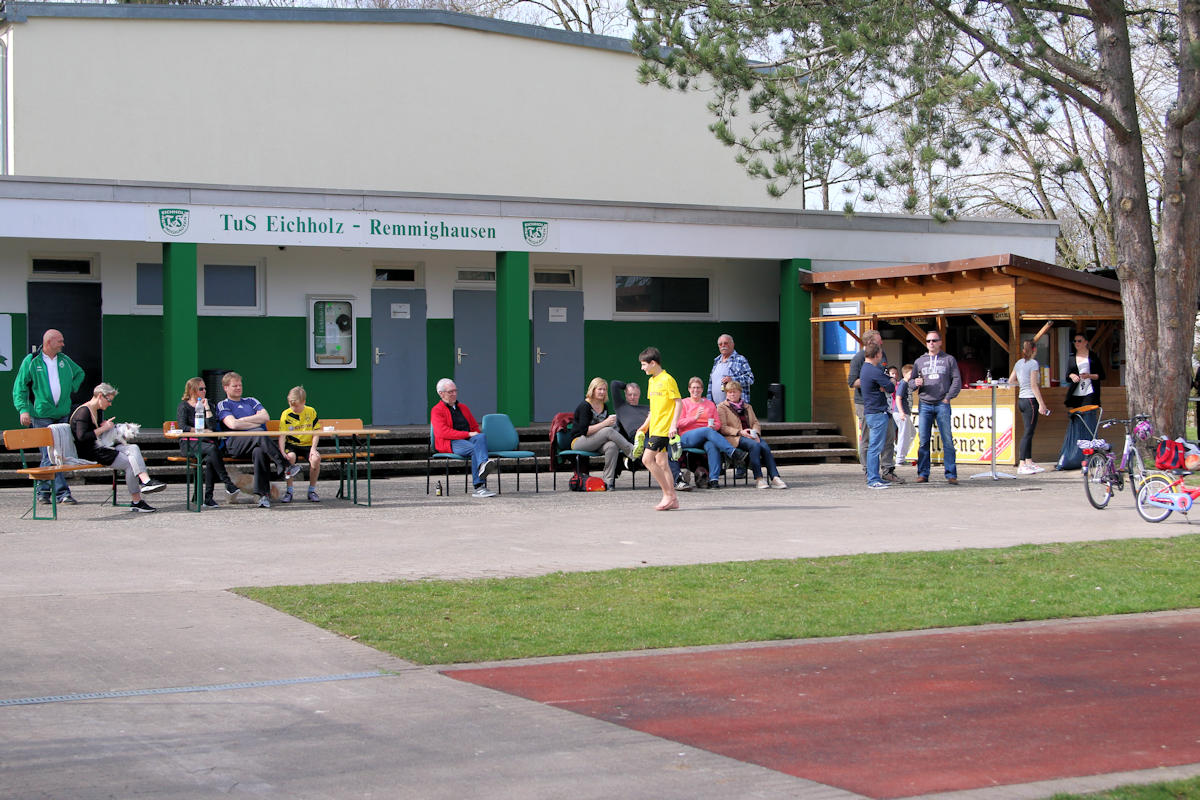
x,y
554,277
149,290
401,273
477,276
663,294
62,266
232,288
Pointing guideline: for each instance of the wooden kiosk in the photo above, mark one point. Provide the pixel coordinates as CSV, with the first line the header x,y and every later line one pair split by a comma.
x,y
982,305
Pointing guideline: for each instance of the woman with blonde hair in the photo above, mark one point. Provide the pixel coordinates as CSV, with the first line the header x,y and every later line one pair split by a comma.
x,y
741,427
595,428
195,395
87,423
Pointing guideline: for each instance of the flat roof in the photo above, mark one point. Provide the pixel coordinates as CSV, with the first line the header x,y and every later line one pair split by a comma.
x,y
19,12
121,191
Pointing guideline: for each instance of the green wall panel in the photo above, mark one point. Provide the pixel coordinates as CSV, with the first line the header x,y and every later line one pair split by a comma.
x,y
272,356
131,364
8,414
439,354
688,348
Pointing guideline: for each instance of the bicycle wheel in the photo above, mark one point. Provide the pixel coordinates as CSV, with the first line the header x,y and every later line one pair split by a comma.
x,y
1152,485
1096,481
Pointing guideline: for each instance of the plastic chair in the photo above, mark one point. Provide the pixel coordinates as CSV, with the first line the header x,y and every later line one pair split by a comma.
x,y
503,443
446,459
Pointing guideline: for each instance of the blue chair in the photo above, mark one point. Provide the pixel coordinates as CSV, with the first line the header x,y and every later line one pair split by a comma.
x,y
503,444
446,459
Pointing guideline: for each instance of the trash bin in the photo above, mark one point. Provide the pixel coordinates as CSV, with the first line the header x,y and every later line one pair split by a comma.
x,y
775,402
212,382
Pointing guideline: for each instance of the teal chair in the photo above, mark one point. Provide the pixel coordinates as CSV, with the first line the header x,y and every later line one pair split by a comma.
x,y
446,459
503,444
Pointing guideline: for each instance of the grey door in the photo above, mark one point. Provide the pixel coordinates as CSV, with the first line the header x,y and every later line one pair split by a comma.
x,y
73,309
558,379
398,380
475,350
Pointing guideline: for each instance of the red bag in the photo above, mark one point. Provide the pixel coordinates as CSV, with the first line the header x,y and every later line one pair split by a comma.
x,y
1169,455
582,483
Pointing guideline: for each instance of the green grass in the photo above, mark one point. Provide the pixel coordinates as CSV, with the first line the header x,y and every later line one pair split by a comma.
x,y
1176,790
437,622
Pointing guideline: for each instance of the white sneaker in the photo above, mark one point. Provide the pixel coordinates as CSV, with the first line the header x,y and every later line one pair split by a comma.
x,y
777,483
488,467
682,486
763,484
1024,470
1036,468
483,491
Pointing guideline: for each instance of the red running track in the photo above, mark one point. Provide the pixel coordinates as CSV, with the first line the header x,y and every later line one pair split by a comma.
x,y
900,715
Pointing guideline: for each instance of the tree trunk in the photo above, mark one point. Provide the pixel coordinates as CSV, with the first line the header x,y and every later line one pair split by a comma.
x,y
1177,279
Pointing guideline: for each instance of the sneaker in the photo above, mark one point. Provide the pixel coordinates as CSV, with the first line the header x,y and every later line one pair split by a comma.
x,y
879,485
264,501
891,477
142,507
1024,470
312,495
763,484
44,499
68,500
232,491
292,471
287,496
682,486
777,483
151,486
483,491
714,484
1036,468
639,445
488,467
739,458
739,472
210,503
952,481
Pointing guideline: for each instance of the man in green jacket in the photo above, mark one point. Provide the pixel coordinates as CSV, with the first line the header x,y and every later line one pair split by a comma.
x,y
42,396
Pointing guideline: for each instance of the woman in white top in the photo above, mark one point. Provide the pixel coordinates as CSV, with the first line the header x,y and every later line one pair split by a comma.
x,y
1027,375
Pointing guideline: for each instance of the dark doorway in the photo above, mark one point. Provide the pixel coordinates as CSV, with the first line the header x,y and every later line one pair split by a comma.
x,y
74,309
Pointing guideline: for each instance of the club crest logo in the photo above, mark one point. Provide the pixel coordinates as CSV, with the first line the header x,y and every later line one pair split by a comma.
x,y
174,221
535,232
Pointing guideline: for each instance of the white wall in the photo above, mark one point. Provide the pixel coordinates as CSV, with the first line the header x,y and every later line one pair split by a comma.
x,y
389,107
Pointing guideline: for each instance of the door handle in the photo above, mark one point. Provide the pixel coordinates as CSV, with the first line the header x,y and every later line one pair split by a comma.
x,y
378,353
460,354
540,352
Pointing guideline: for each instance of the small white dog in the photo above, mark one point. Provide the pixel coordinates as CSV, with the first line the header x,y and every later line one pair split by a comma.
x,y
121,433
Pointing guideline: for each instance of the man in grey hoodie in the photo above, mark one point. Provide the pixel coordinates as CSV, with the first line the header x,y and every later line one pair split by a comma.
x,y
938,382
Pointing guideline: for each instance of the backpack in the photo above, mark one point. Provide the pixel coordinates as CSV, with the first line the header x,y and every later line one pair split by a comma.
x,y
1169,455
583,483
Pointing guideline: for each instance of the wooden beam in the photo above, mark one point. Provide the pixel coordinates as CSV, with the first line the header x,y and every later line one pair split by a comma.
x,y
852,334
914,329
1014,333
1044,330
939,277
886,283
911,280
988,330
941,328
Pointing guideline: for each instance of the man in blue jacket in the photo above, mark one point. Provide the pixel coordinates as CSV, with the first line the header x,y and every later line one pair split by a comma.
x,y
42,396
876,386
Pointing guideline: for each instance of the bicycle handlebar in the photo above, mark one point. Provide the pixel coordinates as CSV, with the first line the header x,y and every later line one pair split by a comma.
x,y
1136,418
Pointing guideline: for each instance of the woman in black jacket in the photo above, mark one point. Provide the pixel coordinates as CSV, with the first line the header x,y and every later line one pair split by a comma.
x,y
194,394
595,428
1084,373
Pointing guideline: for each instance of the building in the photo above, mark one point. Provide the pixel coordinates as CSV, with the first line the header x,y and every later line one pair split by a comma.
x,y
365,201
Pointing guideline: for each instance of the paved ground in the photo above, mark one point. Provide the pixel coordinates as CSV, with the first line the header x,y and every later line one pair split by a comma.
x,y
112,623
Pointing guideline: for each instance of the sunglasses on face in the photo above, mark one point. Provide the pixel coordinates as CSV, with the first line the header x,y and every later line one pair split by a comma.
x,y
931,341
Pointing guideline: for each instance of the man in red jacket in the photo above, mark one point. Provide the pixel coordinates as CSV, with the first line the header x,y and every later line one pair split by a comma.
x,y
456,431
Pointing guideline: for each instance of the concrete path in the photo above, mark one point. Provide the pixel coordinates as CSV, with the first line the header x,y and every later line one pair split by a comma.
x,y
127,670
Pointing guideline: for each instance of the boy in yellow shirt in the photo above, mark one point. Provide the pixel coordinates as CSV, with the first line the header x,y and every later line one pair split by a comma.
x,y
299,417
661,425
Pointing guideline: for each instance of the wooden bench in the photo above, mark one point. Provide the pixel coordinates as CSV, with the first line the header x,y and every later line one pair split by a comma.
x,y
337,457
26,439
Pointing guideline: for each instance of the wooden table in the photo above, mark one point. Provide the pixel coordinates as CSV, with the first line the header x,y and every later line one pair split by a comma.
x,y
195,461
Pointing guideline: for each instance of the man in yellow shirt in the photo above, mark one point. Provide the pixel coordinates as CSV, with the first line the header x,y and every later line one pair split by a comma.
x,y
661,425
